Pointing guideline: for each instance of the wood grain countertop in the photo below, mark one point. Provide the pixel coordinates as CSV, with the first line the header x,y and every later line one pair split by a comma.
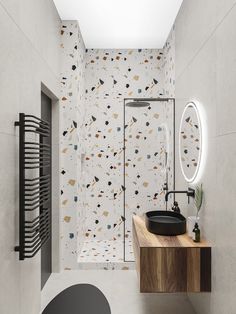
x,y
146,239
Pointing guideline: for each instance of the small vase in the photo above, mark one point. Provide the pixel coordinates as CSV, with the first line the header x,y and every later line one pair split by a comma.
x,y
191,220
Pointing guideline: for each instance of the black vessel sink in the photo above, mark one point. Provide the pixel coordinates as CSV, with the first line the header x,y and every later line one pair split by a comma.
x,y
165,223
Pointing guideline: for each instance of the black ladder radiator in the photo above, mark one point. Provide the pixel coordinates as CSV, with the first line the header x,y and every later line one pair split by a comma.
x,y
34,185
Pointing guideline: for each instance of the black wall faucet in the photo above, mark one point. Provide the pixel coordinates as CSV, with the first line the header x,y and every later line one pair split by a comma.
x,y
190,193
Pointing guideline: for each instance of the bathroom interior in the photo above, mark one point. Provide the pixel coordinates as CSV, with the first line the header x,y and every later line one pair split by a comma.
x,y
118,156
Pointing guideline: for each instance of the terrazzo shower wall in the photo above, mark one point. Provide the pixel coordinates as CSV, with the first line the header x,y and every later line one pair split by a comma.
x,y
168,65
71,140
92,138
111,76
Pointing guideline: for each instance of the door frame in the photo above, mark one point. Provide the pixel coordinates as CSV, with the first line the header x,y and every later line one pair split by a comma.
x,y
55,173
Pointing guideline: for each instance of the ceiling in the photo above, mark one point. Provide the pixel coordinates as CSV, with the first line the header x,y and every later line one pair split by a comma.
x,y
121,24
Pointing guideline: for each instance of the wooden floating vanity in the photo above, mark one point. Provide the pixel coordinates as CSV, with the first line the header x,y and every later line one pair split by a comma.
x,y
170,264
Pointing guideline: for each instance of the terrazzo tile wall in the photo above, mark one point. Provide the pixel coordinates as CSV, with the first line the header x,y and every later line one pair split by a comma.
x,y
71,140
168,65
111,76
92,135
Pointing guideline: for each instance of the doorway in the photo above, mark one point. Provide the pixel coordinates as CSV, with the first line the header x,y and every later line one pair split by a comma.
x,y
46,250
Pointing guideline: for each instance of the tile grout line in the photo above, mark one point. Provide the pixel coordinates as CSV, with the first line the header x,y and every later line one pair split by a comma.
x,y
225,134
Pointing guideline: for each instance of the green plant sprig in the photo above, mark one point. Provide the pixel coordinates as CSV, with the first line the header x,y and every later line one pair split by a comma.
x,y
198,198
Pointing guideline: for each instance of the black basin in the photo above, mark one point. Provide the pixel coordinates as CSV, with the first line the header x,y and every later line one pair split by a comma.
x,y
165,223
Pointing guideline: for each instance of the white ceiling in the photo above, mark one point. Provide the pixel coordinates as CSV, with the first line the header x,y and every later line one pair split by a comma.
x,y
121,24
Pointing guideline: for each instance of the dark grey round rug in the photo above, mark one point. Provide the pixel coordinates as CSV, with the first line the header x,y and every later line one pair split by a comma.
x,y
79,299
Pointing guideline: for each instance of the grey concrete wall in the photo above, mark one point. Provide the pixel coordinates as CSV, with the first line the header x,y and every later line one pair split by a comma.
x,y
206,74
29,56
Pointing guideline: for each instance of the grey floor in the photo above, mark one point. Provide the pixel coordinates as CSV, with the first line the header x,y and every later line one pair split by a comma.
x,y
121,290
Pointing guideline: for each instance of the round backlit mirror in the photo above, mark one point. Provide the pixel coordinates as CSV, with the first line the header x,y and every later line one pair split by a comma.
x,y
190,142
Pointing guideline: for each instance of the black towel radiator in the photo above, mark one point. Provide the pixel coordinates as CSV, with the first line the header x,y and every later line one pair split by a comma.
x,y
34,186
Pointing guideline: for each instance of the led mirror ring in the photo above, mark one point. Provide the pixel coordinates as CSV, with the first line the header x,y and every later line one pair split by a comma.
x,y
190,142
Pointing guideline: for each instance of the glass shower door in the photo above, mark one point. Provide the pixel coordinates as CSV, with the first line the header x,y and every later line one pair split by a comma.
x,y
148,160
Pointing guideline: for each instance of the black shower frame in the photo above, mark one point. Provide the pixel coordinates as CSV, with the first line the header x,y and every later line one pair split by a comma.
x,y
124,155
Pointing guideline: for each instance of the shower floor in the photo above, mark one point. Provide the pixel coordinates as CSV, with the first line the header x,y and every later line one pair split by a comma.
x,y
105,251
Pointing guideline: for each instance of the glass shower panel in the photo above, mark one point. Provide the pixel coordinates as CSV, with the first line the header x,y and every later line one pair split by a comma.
x,y
149,161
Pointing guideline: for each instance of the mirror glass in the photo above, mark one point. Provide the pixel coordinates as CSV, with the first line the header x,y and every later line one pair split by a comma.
x,y
190,142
